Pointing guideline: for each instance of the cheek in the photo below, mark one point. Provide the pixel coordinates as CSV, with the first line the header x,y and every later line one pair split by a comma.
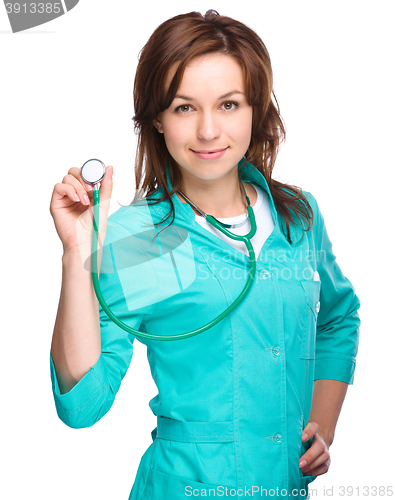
x,y
242,128
174,137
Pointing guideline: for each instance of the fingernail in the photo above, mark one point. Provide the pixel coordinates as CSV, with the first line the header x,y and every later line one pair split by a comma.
x,y
111,171
88,187
302,464
305,436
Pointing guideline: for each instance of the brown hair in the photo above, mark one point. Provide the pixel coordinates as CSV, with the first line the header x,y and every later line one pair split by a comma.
x,y
179,40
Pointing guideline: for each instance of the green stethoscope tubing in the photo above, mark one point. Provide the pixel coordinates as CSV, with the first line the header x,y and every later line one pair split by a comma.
x,y
212,220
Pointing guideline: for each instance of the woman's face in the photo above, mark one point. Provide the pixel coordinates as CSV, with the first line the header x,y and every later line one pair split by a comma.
x,y
207,127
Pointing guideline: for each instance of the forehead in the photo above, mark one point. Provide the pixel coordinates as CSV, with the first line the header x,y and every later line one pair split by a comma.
x,y
210,72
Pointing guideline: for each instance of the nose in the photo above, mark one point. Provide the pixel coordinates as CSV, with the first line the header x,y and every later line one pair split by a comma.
x,y
208,129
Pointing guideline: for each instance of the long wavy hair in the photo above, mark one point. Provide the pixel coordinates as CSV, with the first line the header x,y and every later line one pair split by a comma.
x,y
176,42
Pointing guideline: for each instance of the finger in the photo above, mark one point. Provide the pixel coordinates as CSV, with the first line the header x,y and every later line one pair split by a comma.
x,y
76,172
62,190
309,431
106,184
79,188
322,469
315,450
324,458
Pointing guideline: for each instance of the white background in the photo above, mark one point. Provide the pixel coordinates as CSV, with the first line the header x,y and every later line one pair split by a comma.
x,y
66,96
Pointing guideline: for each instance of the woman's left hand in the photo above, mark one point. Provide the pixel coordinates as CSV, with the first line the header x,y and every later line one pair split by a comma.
x,y
317,456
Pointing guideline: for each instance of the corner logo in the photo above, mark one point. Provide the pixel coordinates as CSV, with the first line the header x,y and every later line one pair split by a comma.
x,y
25,14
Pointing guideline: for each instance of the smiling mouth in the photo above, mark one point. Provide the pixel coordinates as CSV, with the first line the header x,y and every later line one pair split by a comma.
x,y
207,151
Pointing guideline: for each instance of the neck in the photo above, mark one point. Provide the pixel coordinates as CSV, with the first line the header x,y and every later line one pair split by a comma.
x,y
221,198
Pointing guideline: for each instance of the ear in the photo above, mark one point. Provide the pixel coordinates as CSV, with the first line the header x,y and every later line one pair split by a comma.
x,y
158,125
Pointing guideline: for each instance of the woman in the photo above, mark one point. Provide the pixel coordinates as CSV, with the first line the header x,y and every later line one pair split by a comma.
x,y
235,406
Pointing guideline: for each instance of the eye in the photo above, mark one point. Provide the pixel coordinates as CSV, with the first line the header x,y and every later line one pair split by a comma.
x,y
184,108
230,105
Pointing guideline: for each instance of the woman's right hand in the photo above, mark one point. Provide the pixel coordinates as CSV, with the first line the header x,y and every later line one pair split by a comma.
x,y
73,216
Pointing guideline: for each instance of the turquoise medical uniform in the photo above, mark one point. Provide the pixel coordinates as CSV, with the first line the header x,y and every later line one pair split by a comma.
x,y
232,401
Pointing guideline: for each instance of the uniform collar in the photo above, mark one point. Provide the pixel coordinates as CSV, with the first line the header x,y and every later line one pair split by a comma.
x,y
249,174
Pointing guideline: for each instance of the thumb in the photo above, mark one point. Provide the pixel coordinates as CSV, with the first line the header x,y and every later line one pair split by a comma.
x,y
106,184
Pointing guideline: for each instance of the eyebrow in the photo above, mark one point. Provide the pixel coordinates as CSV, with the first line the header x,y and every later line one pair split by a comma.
x,y
219,98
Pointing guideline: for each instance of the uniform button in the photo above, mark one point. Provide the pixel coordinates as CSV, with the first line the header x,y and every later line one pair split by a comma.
x,y
276,438
276,350
265,274
317,307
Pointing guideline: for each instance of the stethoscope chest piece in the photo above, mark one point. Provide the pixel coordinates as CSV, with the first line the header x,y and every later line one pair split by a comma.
x,y
93,171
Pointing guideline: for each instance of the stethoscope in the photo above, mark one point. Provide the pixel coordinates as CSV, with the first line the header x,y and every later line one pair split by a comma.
x,y
92,172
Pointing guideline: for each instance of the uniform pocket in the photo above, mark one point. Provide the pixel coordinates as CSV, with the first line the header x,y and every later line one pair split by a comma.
x,y
312,291
163,486
202,462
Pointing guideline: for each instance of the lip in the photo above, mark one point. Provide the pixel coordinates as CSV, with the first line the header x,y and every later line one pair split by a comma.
x,y
210,154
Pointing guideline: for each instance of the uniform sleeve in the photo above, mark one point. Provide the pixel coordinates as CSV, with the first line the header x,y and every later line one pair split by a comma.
x,y
338,321
91,398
